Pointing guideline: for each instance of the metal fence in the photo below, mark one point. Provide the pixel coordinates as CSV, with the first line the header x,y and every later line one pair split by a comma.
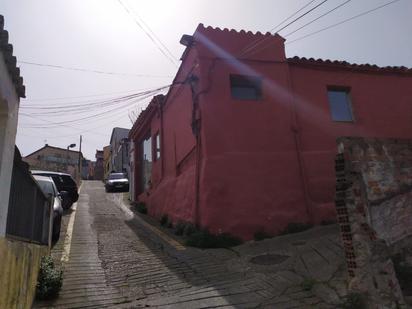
x,y
29,212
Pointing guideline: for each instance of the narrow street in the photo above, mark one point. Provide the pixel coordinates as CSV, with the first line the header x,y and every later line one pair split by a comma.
x,y
115,259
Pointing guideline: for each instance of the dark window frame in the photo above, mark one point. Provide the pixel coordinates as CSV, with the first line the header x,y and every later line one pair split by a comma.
x,y
241,84
347,91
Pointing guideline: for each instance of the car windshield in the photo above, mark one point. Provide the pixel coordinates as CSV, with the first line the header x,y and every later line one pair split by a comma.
x,y
117,176
47,187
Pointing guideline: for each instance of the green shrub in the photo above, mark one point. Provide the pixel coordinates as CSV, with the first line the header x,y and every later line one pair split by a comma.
x,y
403,271
354,301
327,222
141,207
204,239
308,284
164,220
50,279
180,228
189,229
261,235
296,228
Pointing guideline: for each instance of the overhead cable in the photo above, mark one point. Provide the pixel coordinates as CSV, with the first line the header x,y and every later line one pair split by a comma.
x,y
344,21
284,27
91,71
168,57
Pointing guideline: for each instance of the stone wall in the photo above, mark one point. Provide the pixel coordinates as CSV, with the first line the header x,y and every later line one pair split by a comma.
x,y
374,207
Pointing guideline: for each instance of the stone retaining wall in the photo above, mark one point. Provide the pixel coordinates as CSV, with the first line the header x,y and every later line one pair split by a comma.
x,y
374,208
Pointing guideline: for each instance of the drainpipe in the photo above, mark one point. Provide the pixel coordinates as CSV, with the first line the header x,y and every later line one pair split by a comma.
x,y
161,102
196,119
296,134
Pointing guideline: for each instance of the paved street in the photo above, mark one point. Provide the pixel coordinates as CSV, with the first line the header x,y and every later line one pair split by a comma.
x,y
115,259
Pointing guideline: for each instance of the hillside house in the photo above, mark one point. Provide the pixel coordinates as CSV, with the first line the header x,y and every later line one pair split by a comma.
x,y
55,159
245,141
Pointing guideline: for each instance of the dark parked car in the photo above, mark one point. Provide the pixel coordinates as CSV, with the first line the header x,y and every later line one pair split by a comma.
x,y
117,181
64,182
49,188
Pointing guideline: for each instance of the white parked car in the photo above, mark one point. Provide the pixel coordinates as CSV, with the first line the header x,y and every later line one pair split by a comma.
x,y
117,181
49,188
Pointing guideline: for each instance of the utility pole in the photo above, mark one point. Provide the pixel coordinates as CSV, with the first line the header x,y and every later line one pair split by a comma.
x,y
80,159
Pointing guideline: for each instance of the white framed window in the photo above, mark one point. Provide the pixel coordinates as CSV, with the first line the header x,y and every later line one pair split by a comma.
x,y
156,144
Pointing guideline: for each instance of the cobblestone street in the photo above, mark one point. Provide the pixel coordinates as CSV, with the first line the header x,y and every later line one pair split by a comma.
x,y
115,259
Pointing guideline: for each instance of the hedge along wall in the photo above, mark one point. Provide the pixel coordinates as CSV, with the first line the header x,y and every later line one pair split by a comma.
x,y
374,207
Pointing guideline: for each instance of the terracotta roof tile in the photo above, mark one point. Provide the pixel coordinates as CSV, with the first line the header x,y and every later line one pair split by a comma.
x,y
352,66
11,61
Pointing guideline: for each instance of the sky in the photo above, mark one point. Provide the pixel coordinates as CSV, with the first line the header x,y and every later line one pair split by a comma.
x,y
107,36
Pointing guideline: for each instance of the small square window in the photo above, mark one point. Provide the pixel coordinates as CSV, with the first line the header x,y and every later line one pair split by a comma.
x,y
340,105
245,87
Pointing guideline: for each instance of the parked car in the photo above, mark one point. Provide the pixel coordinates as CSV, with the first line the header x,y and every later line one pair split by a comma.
x,y
117,181
49,188
63,182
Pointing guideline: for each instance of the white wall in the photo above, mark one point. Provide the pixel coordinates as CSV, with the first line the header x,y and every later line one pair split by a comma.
x,y
9,105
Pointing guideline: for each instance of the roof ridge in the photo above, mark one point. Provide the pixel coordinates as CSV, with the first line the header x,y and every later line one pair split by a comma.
x,y
343,63
11,61
242,31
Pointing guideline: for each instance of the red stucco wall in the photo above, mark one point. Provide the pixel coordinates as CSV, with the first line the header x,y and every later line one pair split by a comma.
x,y
381,107
262,164
173,175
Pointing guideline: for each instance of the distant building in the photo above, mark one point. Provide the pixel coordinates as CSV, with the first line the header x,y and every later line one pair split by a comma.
x,y
98,167
91,169
119,147
106,160
55,159
85,169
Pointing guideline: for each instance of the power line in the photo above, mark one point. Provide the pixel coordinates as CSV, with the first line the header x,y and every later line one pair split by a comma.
x,y
102,114
79,97
343,21
249,46
170,58
153,33
287,25
310,22
64,125
317,18
301,16
91,103
91,71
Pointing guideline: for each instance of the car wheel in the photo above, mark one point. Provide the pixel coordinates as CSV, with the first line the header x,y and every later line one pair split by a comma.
x,y
56,229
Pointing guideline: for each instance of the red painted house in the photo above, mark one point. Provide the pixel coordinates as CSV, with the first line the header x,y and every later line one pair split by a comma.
x,y
245,139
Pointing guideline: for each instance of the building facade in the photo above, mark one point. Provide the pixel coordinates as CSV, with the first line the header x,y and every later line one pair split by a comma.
x,y
106,161
119,150
55,159
98,166
245,141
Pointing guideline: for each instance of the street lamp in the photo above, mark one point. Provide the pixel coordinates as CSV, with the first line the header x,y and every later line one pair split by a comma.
x,y
67,155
